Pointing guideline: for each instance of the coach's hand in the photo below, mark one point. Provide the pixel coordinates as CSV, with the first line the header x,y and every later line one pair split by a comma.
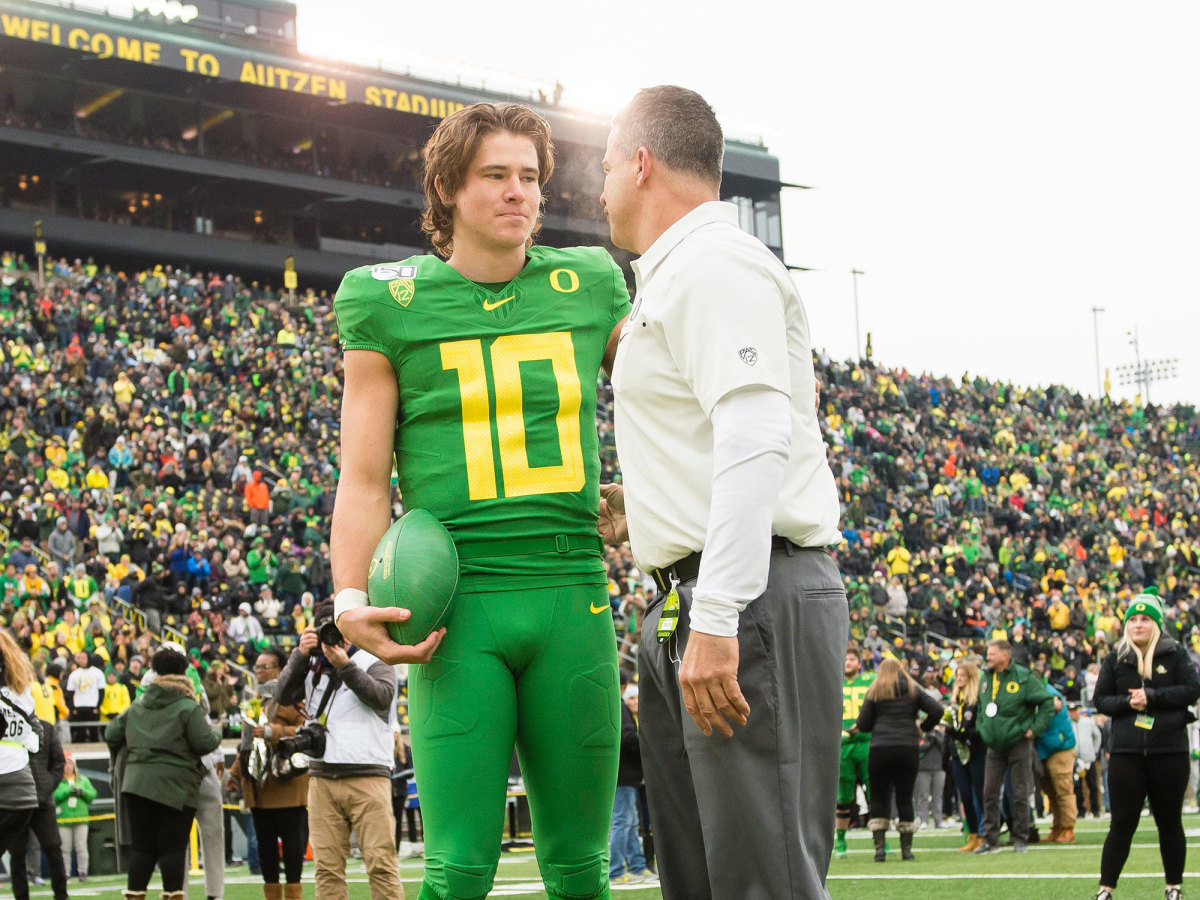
x,y
708,679
365,627
612,525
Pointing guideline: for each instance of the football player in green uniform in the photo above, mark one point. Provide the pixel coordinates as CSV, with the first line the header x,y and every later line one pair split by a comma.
x,y
475,371
855,747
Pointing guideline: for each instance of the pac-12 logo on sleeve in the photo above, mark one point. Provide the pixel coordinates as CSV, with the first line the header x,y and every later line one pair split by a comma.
x,y
402,290
748,355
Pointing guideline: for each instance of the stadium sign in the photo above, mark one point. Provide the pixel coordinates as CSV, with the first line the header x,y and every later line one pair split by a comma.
x,y
104,37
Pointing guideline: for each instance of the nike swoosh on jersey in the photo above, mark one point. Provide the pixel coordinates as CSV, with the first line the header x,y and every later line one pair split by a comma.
x,y
489,306
592,607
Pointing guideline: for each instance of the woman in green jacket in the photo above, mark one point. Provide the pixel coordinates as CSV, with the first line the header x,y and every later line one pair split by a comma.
x,y
72,797
166,734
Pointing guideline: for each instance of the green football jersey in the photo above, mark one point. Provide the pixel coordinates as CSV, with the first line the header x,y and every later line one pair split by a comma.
x,y
497,423
853,693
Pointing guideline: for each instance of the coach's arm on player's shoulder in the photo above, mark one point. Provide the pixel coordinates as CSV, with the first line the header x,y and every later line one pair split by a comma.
x,y
362,508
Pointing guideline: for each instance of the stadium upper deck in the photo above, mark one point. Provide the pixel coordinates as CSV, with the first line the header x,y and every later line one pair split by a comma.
x,y
197,132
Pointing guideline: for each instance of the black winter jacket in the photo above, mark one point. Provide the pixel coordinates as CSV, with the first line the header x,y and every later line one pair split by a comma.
x,y
47,765
893,722
1173,686
968,731
629,770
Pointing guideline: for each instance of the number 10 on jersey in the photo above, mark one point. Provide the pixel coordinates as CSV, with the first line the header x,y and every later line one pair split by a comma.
x,y
507,354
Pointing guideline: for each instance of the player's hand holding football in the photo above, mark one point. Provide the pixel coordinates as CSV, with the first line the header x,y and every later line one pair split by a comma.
x,y
365,627
612,524
708,679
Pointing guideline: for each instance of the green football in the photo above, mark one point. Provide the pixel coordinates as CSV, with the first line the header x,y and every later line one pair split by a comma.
x,y
415,566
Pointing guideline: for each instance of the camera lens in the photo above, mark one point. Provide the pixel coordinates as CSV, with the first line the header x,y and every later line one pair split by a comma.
x,y
328,633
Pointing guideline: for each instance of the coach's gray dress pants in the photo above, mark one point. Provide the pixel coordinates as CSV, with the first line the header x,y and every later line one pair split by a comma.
x,y
751,817
210,820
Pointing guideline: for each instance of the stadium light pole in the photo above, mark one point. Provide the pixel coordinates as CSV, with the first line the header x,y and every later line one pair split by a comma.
x,y
854,273
1096,310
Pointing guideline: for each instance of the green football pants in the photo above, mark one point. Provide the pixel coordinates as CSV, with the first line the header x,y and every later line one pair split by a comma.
x,y
853,770
537,668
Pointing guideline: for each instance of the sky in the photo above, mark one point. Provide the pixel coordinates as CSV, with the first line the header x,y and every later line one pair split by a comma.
x,y
994,169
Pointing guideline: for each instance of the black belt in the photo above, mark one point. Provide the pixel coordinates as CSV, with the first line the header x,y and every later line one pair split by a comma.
x,y
688,568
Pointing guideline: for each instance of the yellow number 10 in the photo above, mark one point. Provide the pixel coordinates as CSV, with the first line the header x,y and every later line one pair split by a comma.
x,y
508,352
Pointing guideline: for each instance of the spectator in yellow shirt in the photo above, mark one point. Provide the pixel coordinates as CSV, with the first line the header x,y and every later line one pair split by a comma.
x,y
1059,613
32,585
96,613
116,698
71,630
123,390
897,559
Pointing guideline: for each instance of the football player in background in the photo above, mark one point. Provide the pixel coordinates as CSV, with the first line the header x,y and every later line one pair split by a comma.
x,y
475,370
855,747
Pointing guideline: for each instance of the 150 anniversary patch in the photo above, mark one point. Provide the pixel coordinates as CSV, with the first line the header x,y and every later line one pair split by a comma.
x,y
389,271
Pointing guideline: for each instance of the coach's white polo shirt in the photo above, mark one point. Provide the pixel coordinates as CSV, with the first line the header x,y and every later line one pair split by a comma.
x,y
714,311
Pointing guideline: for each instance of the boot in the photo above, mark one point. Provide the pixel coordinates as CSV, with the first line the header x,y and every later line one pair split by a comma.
x,y
973,843
174,895
1055,831
906,829
878,829
273,891
293,891
133,895
1066,836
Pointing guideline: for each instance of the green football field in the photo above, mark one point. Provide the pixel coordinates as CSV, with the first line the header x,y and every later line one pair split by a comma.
x,y
939,873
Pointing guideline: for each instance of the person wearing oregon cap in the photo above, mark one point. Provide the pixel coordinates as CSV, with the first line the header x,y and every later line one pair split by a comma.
x,y
1145,687
487,360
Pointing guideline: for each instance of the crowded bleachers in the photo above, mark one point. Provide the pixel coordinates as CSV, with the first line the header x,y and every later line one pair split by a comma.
x,y
169,460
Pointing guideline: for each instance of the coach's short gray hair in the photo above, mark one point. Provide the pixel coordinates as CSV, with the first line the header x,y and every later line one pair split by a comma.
x,y
677,126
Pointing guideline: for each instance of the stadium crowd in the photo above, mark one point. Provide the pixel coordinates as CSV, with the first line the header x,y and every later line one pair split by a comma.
x,y
169,453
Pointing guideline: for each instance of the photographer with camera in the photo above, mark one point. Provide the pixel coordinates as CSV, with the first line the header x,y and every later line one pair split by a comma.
x,y
350,703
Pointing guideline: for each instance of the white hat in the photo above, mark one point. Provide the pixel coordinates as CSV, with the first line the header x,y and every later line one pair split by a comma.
x,y
244,607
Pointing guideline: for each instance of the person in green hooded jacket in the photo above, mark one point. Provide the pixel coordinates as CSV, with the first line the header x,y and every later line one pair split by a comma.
x,y
72,799
1015,707
166,734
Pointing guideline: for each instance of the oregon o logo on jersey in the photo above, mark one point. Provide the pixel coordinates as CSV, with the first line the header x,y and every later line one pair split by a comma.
x,y
1012,687
572,281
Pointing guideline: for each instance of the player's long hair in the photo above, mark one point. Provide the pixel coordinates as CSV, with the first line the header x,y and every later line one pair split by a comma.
x,y
969,695
891,675
18,672
449,152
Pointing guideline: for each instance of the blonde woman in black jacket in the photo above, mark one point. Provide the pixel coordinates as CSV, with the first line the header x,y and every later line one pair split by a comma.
x,y
889,713
1145,687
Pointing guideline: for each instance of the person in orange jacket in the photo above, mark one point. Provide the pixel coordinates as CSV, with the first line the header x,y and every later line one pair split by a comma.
x,y
258,499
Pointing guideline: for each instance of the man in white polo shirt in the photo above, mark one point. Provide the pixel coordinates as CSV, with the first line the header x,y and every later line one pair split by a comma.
x,y
730,503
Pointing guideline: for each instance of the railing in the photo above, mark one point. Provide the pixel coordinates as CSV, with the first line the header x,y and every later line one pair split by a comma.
x,y
169,632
